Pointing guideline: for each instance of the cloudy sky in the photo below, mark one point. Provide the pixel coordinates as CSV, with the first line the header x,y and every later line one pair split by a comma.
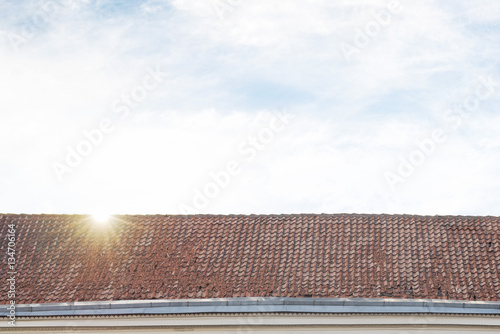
x,y
250,106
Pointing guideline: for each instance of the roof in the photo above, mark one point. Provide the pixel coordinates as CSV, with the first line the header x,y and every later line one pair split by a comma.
x,y
68,258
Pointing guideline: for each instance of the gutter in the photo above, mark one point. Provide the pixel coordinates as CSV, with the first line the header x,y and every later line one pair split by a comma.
x,y
257,305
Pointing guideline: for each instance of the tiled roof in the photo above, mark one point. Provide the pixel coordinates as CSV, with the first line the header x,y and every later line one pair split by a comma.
x,y
66,258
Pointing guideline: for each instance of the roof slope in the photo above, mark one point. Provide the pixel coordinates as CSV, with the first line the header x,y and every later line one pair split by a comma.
x,y
66,258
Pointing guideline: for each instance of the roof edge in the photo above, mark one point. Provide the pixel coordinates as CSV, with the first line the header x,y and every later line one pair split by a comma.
x,y
257,305
337,214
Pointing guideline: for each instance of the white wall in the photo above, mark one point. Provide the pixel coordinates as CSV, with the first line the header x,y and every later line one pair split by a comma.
x,y
268,323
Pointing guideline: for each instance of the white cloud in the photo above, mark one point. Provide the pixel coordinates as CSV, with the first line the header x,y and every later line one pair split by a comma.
x,y
227,64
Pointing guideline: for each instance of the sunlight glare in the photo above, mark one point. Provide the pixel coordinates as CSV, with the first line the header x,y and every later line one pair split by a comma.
x,y
101,218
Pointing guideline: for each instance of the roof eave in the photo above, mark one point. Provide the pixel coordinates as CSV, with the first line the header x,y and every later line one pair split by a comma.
x,y
257,305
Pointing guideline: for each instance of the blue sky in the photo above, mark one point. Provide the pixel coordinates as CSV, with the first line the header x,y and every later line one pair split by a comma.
x,y
258,106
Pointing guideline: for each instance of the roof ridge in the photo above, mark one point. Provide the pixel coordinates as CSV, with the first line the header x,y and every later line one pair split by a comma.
x,y
257,215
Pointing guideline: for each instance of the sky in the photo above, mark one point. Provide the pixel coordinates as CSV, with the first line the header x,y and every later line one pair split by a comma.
x,y
250,107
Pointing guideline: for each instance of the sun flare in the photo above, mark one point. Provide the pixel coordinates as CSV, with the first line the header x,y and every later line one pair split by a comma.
x,y
101,218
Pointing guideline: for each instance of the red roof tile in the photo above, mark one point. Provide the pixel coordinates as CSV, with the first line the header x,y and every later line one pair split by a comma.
x,y
65,258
